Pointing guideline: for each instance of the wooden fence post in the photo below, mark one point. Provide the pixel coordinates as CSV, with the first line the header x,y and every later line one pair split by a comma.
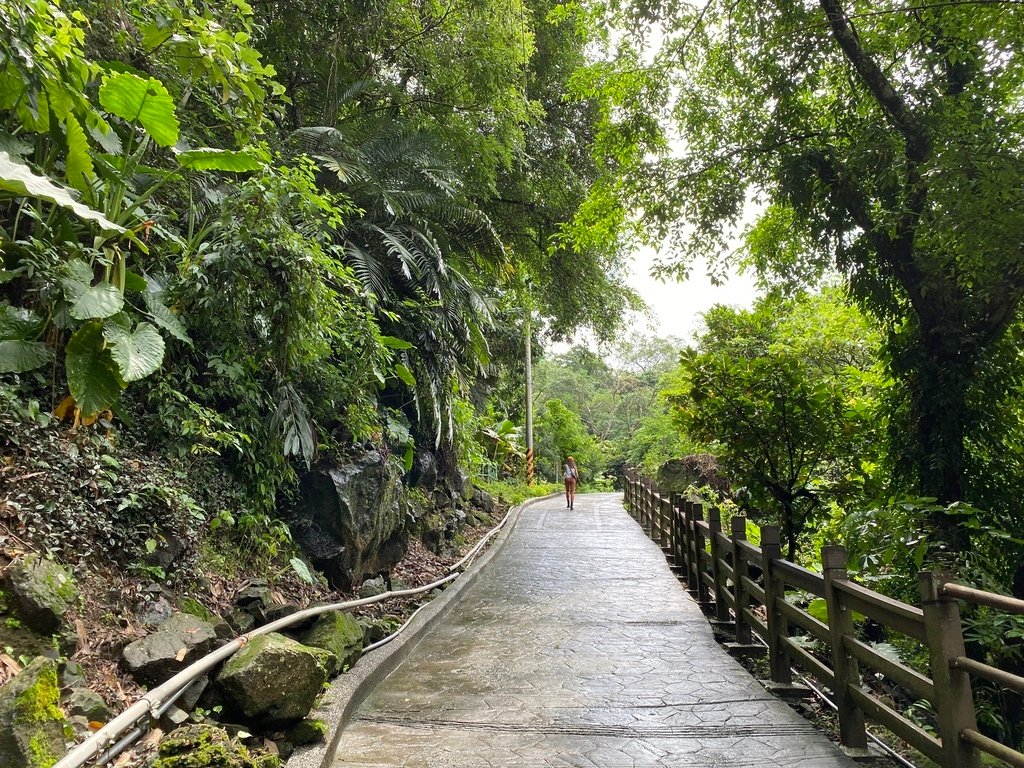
x,y
665,524
852,733
954,704
774,591
676,502
698,556
717,555
739,570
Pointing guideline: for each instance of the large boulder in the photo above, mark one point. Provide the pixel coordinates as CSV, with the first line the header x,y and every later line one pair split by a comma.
x,y
340,634
174,645
350,518
42,591
273,681
699,469
32,734
206,746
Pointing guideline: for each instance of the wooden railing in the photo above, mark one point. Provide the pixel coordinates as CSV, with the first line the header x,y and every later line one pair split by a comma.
x,y
743,588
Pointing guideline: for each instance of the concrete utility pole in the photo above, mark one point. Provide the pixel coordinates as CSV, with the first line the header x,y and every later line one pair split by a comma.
x,y
529,399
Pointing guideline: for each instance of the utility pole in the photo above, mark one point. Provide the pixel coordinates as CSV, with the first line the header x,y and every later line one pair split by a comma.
x,y
529,399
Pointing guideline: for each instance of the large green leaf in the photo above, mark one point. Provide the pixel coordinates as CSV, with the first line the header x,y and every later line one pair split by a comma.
x,y
141,101
210,159
18,323
93,376
137,353
19,180
18,355
393,342
89,301
405,374
166,319
78,169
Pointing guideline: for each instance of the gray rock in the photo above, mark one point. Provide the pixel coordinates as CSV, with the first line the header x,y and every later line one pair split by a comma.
x,y
280,611
256,599
373,587
241,621
190,697
87,704
169,550
464,486
340,634
483,500
424,469
33,730
72,675
273,681
350,518
174,645
699,469
42,592
155,612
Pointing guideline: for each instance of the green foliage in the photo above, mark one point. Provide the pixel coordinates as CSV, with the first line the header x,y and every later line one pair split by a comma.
x,y
516,492
785,394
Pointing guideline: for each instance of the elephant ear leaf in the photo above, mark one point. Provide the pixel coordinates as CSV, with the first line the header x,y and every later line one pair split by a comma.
x,y
210,159
93,376
142,101
89,301
18,351
18,179
137,353
19,355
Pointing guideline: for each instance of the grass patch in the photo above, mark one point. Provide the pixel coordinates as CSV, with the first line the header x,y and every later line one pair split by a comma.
x,y
513,493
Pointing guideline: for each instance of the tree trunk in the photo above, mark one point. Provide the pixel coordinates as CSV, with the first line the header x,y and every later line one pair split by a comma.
x,y
938,370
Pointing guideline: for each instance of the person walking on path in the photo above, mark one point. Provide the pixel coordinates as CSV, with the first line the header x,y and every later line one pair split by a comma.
x,y
571,474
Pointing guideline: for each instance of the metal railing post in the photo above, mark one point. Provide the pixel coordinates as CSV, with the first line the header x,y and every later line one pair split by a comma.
x,y
954,703
852,733
774,591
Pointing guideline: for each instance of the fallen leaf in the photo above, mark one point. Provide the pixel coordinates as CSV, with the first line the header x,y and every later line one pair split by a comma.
x,y
95,725
10,663
180,655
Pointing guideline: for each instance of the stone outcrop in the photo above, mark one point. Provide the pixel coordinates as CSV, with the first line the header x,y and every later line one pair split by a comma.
x,y
700,469
206,746
350,518
174,645
340,634
42,592
83,702
32,734
273,681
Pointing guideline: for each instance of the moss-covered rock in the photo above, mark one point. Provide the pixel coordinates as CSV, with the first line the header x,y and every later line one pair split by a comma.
x,y
308,731
273,681
205,746
193,607
340,634
32,734
42,592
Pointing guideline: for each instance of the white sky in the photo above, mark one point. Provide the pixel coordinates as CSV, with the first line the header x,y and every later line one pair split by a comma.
x,y
675,307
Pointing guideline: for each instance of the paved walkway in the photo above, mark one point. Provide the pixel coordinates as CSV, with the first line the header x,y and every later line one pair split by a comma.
x,y
577,647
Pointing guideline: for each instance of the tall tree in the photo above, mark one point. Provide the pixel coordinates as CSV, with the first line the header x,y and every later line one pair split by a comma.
x,y
884,141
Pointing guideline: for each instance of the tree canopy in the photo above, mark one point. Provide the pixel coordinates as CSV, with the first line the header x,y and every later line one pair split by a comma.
x,y
878,141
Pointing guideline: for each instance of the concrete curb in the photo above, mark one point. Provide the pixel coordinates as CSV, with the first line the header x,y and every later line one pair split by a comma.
x,y
349,690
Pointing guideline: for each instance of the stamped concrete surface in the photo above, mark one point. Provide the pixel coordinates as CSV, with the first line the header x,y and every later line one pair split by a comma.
x,y
577,647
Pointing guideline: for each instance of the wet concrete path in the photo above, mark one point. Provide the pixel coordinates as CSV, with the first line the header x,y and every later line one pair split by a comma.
x,y
577,647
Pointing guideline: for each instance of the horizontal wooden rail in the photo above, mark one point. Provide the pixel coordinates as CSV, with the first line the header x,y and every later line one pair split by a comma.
x,y
745,587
